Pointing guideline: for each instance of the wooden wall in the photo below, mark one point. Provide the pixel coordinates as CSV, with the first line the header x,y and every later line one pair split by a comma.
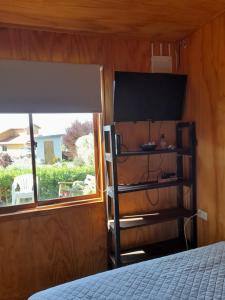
x,y
44,249
135,170
202,57
40,251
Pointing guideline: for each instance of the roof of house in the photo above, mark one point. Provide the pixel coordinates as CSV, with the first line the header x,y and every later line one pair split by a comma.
x,y
19,140
48,136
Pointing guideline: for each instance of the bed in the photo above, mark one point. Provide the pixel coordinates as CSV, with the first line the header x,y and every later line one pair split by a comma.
x,y
194,274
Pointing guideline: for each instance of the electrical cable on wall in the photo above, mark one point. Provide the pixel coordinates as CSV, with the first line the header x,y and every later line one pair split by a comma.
x,y
185,226
149,171
158,170
123,160
160,128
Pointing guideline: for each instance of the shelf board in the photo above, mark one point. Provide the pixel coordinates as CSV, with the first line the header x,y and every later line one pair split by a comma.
x,y
183,151
154,217
151,251
147,186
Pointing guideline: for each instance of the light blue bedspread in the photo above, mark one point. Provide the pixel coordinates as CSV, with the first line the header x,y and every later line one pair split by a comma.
x,y
194,274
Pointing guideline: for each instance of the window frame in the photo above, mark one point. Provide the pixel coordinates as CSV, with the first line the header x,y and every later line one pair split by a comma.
x,y
40,204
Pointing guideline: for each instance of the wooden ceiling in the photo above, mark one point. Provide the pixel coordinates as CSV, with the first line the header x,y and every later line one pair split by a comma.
x,y
154,19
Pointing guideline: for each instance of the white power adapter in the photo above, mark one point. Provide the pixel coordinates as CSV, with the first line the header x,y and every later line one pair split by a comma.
x,y
202,214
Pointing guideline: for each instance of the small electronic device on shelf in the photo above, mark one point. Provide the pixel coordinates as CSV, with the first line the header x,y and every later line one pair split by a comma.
x,y
167,177
149,146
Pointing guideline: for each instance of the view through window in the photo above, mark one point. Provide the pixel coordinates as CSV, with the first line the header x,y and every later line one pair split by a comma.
x,y
64,157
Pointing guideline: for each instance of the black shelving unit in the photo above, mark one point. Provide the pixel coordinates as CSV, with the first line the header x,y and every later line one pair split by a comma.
x,y
116,223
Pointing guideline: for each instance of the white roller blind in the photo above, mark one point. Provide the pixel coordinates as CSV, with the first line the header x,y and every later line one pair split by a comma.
x,y
42,87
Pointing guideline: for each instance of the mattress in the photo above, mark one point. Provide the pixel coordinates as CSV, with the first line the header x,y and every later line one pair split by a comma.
x,y
194,274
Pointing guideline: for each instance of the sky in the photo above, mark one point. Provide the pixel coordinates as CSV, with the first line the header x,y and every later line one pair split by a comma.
x,y
49,123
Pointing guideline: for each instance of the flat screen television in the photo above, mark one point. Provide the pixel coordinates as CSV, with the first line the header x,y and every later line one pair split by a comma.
x,y
148,96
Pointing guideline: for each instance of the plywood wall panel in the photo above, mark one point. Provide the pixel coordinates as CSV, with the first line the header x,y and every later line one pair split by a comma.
x,y
16,259
132,56
203,59
42,251
134,238
135,170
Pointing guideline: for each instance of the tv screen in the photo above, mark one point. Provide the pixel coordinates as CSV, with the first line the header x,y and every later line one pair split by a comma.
x,y
148,96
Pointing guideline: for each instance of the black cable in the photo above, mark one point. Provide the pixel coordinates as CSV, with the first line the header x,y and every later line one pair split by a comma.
x,y
160,127
123,160
148,174
149,140
159,169
151,171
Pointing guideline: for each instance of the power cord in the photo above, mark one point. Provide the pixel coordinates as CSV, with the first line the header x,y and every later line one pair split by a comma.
x,y
149,171
160,127
121,161
185,226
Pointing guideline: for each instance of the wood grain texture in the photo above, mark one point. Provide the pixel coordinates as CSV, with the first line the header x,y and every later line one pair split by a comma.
x,y
204,61
135,169
158,20
42,251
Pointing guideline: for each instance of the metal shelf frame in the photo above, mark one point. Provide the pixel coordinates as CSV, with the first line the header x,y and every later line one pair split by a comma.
x,y
114,190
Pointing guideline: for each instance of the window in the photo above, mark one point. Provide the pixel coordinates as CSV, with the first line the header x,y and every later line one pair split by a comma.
x,y
48,158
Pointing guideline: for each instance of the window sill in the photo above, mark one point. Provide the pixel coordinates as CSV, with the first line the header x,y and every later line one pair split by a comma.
x,y
47,209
